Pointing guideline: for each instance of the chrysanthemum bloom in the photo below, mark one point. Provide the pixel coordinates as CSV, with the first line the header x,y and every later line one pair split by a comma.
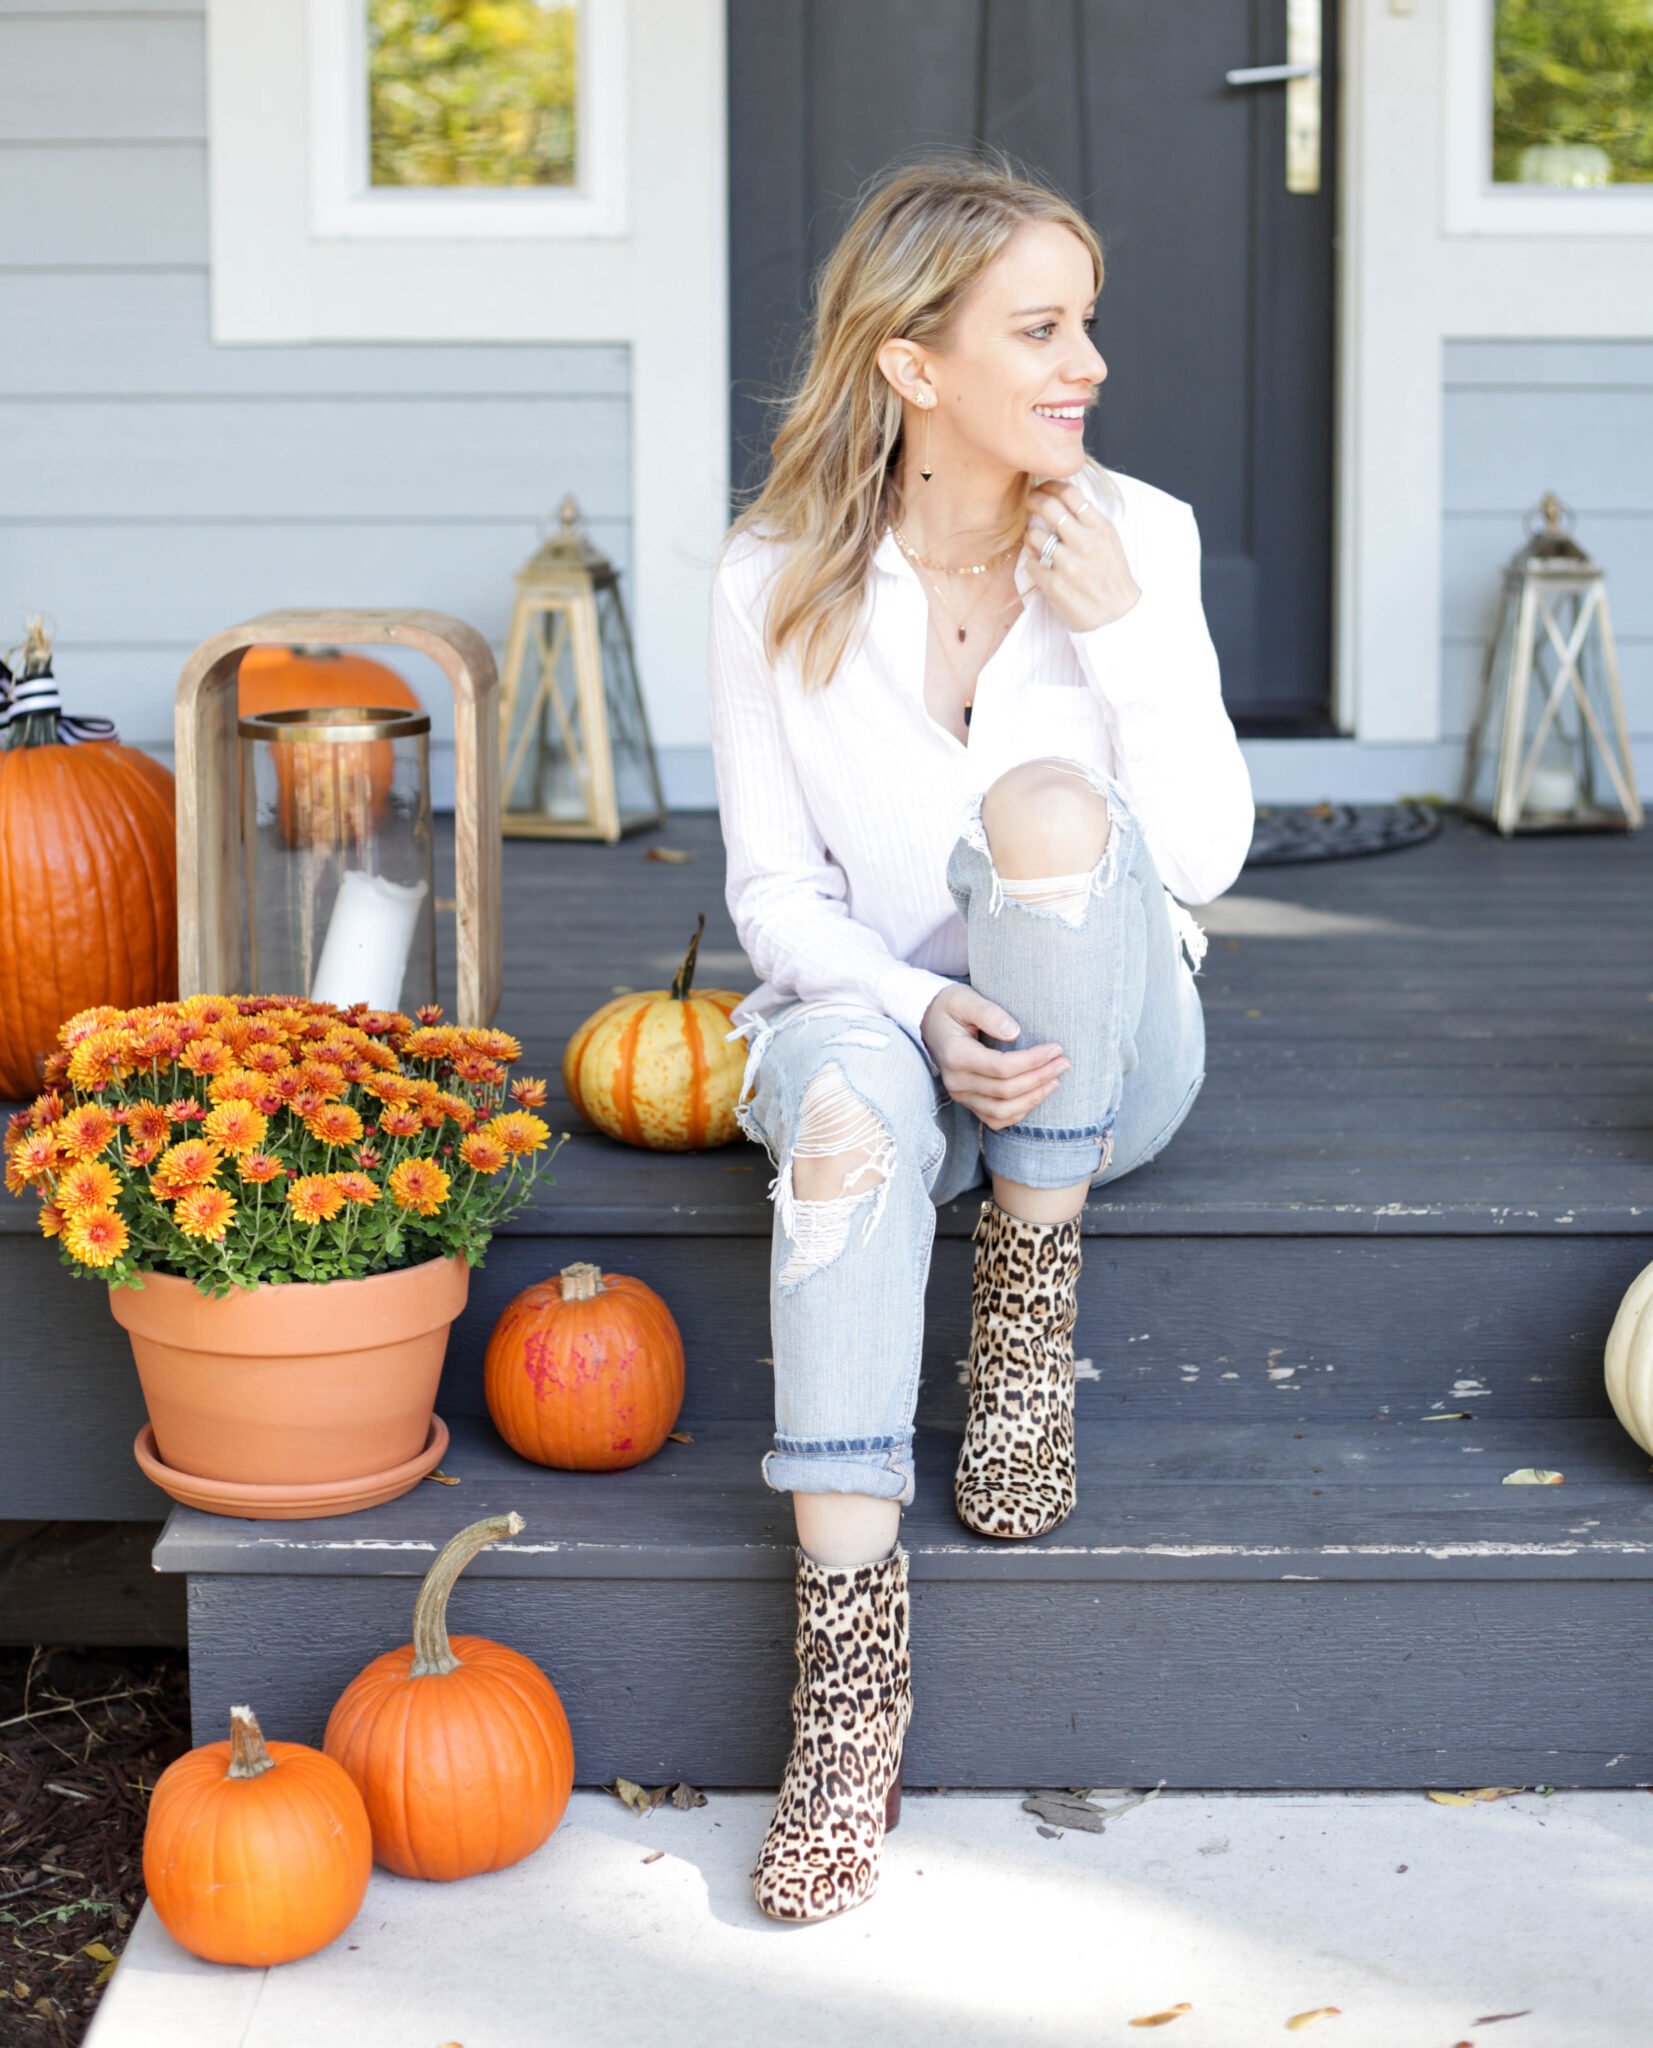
x,y
390,1088
236,1127
208,1009
531,1094
367,1158
74,1030
236,1084
401,1120
422,1089
188,1164
482,1153
324,1076
147,1125
207,1056
419,1184
379,1056
35,1160
434,1043
259,1168
86,1131
518,1132
356,1070
88,1184
497,1045
184,1109
96,1237
356,1187
205,1212
456,1109
52,1220
266,1057
428,1013
335,1123
316,1197
49,1108
96,1061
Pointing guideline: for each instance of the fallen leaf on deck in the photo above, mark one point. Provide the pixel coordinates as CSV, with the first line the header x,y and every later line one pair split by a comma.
x,y
1449,1415
442,1478
680,1436
1299,2020
1071,1810
1534,1475
639,1800
654,1856
687,1796
1159,2019
666,853
1490,2019
1050,1834
1477,1797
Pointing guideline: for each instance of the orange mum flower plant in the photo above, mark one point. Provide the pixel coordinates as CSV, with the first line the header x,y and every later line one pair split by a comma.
x,y
236,1140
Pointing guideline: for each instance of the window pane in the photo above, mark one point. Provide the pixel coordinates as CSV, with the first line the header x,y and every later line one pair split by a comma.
x,y
1572,92
471,92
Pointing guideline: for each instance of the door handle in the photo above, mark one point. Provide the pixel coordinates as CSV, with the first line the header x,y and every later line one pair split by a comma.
x,y
1300,75
1270,74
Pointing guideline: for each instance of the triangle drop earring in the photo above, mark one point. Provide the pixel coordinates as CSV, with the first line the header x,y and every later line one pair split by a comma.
x,y
924,467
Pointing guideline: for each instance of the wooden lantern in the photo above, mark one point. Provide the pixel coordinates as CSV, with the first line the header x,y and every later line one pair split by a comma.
x,y
210,875
569,632
1554,600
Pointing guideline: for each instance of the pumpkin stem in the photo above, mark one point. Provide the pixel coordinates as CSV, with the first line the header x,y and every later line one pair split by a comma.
x,y
685,974
249,1754
432,1657
39,727
581,1281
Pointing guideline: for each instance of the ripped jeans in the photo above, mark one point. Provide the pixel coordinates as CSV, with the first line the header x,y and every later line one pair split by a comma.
x,y
1091,962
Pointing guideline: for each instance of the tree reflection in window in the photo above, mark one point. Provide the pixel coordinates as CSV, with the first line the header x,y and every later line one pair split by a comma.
x,y
1572,92
471,92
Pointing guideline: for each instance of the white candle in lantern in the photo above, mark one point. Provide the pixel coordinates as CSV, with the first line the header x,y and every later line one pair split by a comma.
x,y
1552,789
369,937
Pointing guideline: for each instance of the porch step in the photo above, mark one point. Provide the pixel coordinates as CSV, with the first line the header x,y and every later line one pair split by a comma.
x,y
1266,1604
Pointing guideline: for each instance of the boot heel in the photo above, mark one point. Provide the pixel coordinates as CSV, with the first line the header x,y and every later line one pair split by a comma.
x,y
892,1798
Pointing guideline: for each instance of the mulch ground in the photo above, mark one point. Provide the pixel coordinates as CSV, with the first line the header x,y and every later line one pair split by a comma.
x,y
84,1734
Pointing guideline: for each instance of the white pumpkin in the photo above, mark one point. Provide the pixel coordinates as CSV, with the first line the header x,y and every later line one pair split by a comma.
x,y
1630,1360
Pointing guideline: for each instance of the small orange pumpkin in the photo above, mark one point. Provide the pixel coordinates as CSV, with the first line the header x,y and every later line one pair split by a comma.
x,y
585,1371
255,1852
656,1067
88,880
316,787
459,1747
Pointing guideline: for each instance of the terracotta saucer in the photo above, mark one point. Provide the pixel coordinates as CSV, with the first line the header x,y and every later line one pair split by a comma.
x,y
289,1503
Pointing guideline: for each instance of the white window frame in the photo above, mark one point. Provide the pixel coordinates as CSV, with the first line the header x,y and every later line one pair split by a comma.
x,y
344,205
1473,204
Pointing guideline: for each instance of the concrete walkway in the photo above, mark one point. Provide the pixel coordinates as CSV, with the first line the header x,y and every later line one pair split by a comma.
x,y
1418,1921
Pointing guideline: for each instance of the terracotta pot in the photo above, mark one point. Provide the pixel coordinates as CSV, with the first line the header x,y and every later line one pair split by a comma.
x,y
293,1385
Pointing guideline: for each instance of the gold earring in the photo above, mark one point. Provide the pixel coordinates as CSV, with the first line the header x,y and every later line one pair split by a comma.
x,y
924,467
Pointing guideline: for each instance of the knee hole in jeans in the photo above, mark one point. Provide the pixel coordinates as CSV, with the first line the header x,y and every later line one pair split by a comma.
x,y
834,1124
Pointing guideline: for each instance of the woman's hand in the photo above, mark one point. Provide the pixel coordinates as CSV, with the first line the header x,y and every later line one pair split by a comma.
x,y
1089,582
1000,1087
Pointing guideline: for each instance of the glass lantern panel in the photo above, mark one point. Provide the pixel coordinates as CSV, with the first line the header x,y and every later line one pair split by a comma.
x,y
467,96
338,860
1572,92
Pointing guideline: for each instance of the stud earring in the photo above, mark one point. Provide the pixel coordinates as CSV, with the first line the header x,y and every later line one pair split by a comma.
x,y
924,467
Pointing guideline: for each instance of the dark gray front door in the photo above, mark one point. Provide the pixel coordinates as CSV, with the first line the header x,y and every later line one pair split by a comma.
x,y
1216,310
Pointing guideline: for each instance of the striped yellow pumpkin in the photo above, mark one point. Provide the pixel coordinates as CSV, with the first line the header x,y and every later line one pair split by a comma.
x,y
655,1068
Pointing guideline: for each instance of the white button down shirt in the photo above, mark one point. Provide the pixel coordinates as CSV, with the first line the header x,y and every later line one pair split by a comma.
x,y
840,806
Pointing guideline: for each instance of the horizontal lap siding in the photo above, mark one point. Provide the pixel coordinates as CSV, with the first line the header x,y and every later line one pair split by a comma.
x,y
155,488
1522,418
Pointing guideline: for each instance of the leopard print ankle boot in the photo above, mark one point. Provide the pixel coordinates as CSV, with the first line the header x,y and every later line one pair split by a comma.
x,y
850,1708
1015,1473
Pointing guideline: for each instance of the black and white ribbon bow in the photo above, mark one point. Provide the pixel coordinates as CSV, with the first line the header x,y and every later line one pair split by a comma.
x,y
33,694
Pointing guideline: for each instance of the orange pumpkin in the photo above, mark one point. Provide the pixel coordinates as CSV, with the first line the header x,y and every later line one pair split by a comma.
x,y
585,1371
656,1067
323,791
460,1747
88,882
255,1852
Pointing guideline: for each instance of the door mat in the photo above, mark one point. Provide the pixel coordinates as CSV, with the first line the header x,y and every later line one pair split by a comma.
x,y
1294,832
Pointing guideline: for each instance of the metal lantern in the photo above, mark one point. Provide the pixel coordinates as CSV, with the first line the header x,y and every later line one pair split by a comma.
x,y
336,856
574,725
1553,630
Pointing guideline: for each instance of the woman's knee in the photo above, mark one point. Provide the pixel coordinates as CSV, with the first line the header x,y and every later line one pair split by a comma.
x,y
1045,817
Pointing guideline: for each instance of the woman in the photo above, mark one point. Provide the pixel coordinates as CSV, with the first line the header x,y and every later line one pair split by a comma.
x,y
968,739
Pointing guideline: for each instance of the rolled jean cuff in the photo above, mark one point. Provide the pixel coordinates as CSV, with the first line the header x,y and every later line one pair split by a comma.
x,y
879,1465
1048,1158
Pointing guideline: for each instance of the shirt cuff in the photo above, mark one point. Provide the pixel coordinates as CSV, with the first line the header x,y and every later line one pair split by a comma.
x,y
1121,657
905,993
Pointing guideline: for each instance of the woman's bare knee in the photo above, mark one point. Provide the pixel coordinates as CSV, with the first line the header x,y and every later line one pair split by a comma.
x,y
1044,817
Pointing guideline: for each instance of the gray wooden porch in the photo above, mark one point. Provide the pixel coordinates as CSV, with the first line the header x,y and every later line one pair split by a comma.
x,y
1373,1274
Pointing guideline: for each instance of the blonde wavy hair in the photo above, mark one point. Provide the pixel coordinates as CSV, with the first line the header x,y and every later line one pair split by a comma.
x,y
903,267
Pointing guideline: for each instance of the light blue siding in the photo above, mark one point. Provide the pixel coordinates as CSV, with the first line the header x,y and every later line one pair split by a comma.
x,y
155,488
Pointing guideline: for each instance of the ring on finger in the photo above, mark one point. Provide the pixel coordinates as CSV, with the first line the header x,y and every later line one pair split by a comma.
x,y
1067,513
1048,551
